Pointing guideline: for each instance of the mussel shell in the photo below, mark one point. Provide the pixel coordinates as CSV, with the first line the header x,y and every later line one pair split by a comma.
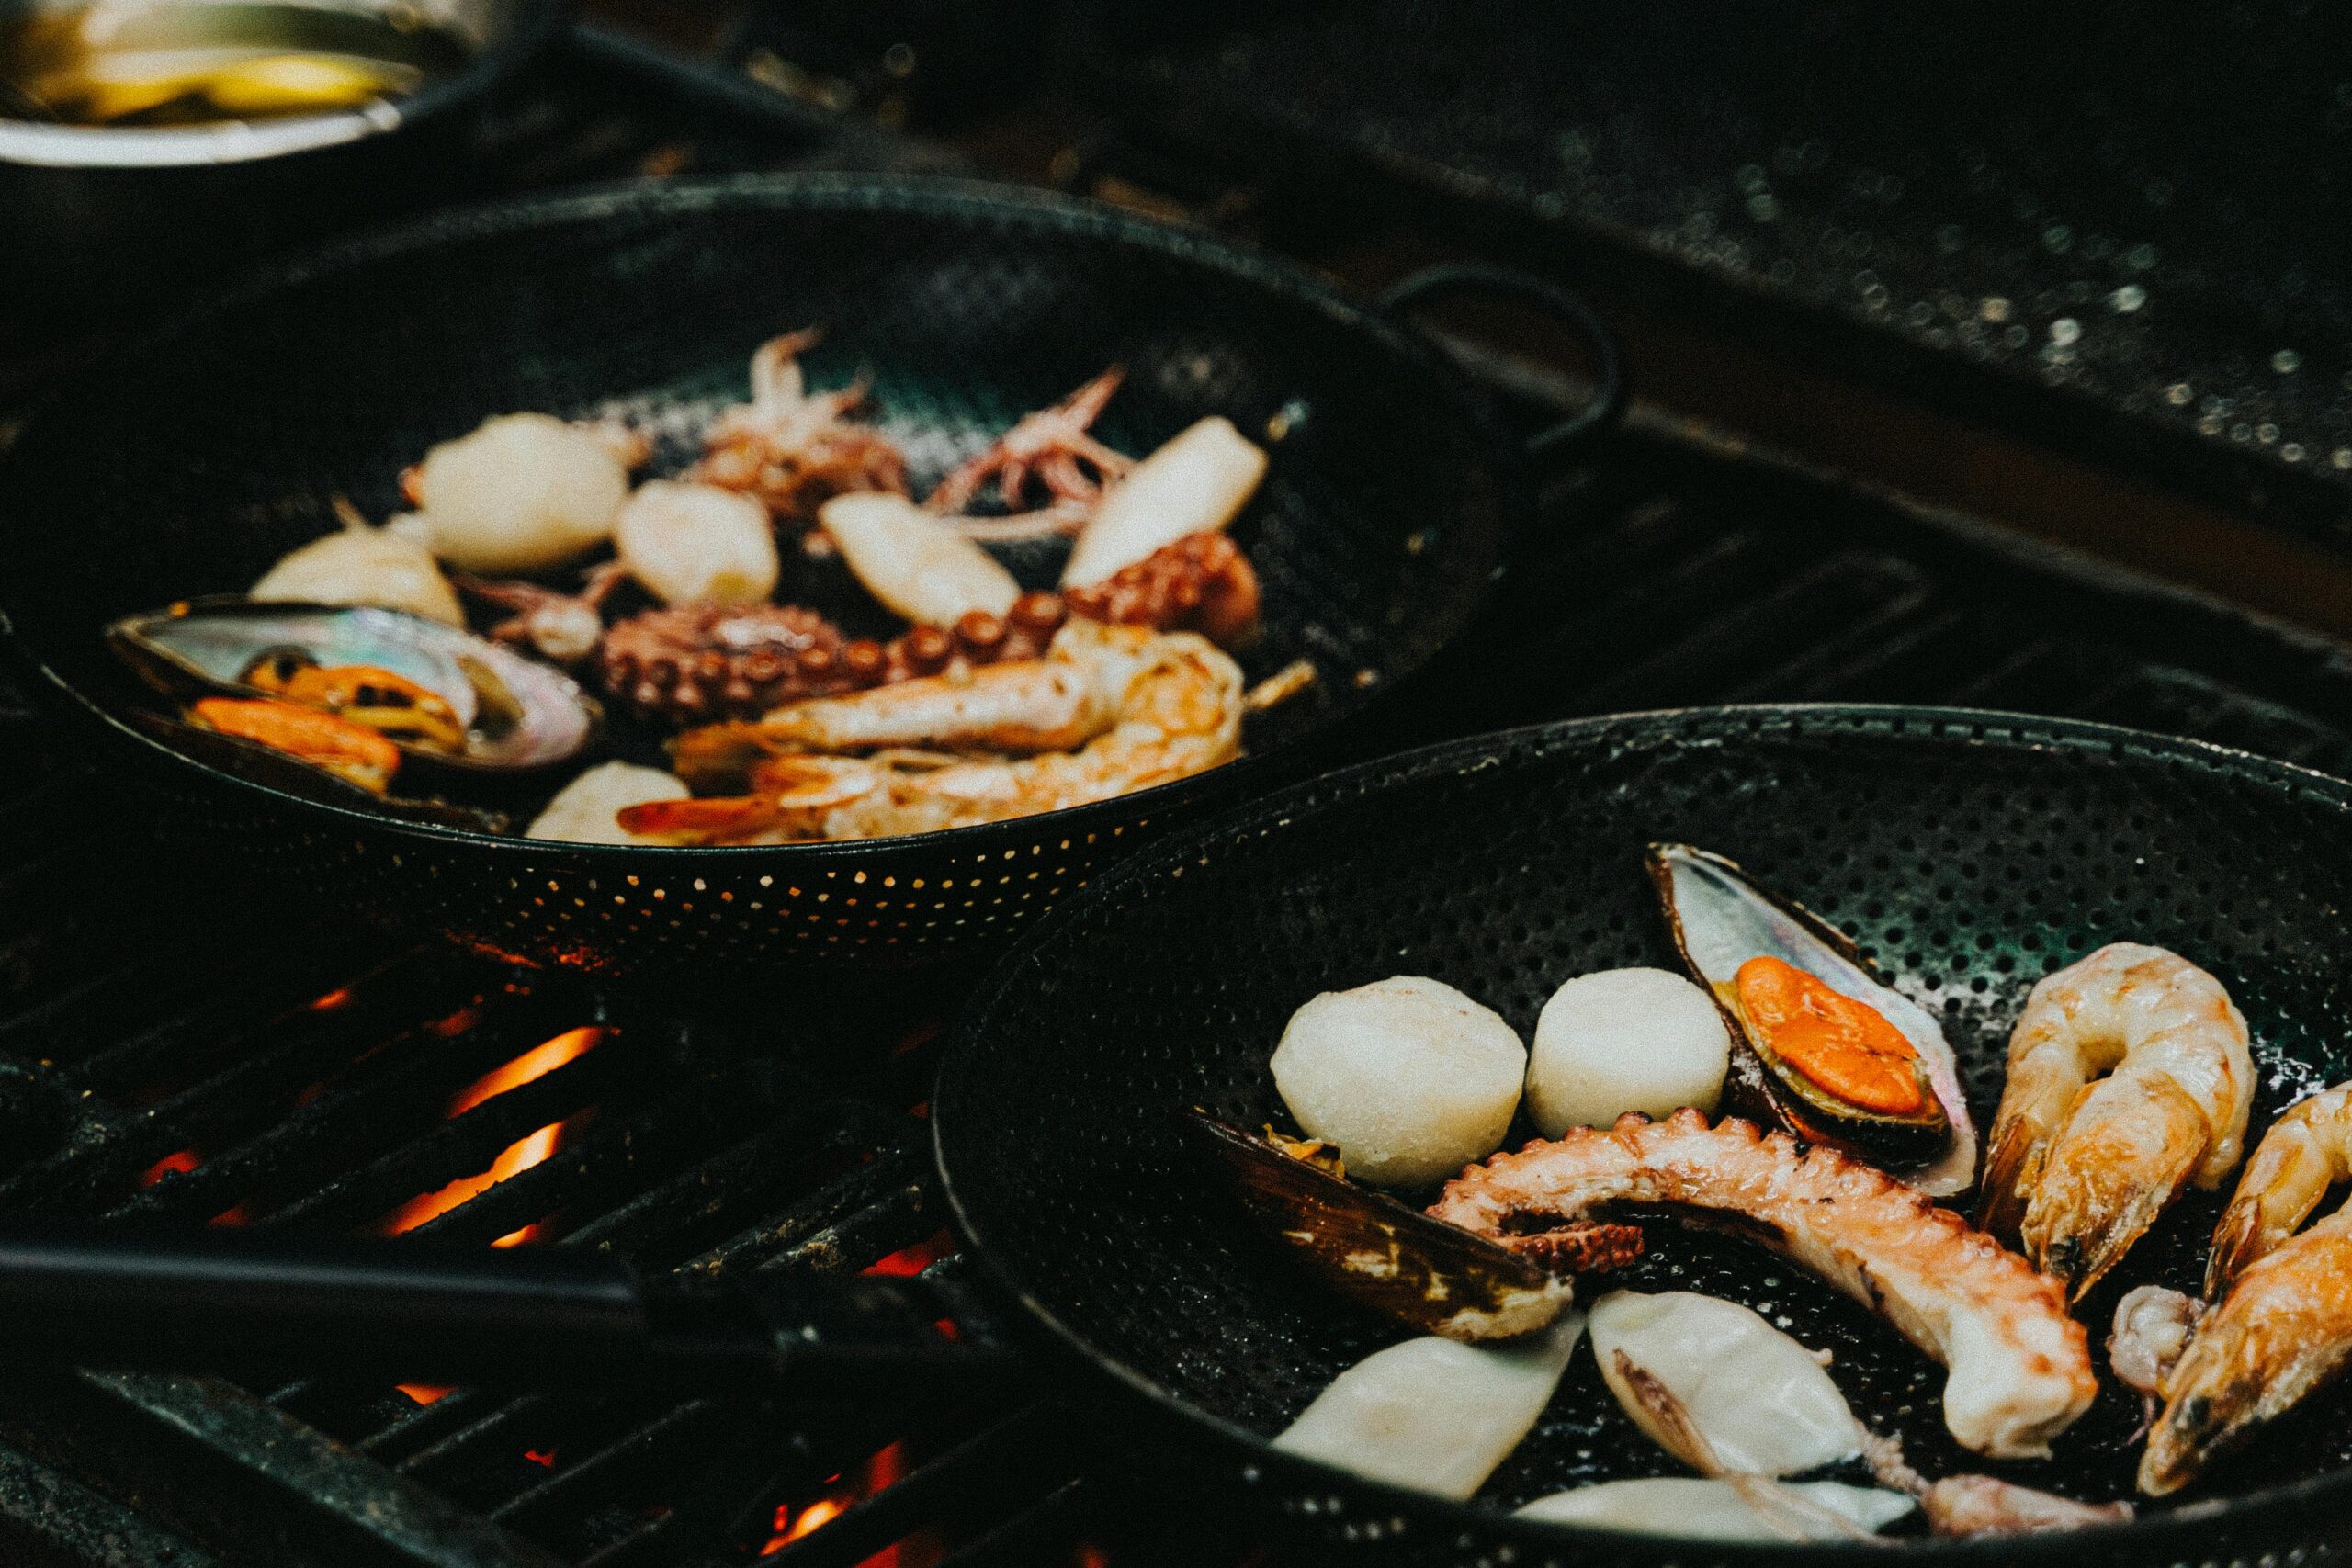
x,y
519,715
1719,920
1426,1274
251,760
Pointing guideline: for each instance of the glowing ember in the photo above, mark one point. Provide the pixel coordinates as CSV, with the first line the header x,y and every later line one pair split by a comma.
x,y
916,1259
425,1392
518,1156
337,998
186,1159
795,1520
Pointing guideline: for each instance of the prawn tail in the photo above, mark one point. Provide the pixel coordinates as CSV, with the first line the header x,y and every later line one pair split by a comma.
x,y
2237,1241
2012,1166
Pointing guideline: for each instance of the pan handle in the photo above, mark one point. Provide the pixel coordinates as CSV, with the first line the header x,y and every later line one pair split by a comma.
x,y
234,1303
1554,440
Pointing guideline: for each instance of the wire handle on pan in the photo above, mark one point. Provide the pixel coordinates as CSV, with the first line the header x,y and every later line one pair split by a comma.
x,y
1608,385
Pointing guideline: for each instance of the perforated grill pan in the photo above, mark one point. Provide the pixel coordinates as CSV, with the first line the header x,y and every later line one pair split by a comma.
x,y
1968,854
189,465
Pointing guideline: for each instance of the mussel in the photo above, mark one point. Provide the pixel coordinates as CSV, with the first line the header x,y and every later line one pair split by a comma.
x,y
446,698
1820,1045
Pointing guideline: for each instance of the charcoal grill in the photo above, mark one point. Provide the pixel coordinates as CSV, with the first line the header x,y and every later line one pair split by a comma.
x,y
162,1057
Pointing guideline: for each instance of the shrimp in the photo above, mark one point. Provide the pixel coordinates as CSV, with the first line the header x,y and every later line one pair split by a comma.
x,y
2078,1173
1109,710
2283,1325
2020,1368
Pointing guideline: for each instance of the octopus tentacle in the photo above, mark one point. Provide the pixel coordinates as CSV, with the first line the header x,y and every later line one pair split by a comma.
x,y
2021,1367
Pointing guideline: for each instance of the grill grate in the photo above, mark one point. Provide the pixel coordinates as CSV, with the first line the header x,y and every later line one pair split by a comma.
x,y
194,1055
177,1051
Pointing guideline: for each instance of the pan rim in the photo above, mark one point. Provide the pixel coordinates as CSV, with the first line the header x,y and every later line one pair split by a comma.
x,y
2188,1525
951,198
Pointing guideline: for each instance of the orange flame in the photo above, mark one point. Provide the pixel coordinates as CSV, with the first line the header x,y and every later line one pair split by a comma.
x,y
518,1156
795,1520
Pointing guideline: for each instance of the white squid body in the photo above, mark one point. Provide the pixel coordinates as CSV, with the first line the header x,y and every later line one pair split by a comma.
x,y
1699,1509
1198,482
1433,1415
917,565
697,542
1759,1403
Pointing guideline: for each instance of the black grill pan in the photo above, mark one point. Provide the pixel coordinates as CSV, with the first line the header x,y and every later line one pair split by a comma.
x,y
187,465
1967,852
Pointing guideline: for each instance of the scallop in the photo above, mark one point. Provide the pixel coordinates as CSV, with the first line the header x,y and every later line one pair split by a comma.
x,y
1622,1040
1433,1415
1699,1509
522,493
1718,1387
1788,982
1411,1078
517,714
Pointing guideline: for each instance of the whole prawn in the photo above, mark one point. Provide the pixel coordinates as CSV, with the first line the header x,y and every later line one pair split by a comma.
x,y
2282,1326
2080,1168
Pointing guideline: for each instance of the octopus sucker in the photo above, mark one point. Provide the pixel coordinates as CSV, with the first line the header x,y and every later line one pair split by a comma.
x,y
2020,1368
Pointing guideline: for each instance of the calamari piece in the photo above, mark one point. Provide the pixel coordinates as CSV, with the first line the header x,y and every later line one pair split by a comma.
x,y
1820,1047
697,543
564,627
1198,482
586,810
1052,446
1431,1414
791,448
1983,1504
2283,1329
1686,1365
2020,1368
361,565
914,564
1710,1509
2079,1169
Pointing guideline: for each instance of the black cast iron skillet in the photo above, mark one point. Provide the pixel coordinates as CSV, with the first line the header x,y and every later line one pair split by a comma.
x,y
188,465
1967,852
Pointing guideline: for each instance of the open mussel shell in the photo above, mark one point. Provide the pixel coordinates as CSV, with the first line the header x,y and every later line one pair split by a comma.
x,y
518,715
1720,919
1423,1273
251,760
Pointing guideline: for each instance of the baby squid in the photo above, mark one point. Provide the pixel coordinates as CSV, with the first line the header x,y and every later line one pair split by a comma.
x,y
2082,1164
2283,1325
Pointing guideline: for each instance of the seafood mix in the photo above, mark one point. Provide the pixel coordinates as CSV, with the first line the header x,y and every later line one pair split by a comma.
x,y
612,610
2129,1079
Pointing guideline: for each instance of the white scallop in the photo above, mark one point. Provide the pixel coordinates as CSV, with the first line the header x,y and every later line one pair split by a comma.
x,y
1699,1509
1625,1039
1431,1414
1758,1398
1411,1078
